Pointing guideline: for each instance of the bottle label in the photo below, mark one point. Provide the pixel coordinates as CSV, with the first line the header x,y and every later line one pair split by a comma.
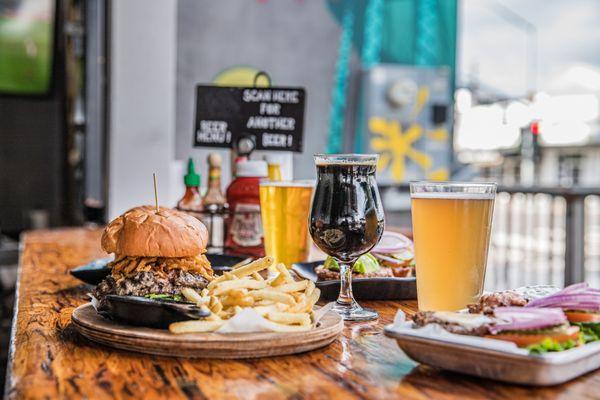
x,y
246,226
214,174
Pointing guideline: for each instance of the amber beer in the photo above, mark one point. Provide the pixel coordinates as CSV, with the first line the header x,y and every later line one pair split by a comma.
x,y
451,234
285,206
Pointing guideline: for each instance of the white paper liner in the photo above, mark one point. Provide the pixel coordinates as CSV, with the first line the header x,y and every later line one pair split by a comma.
x,y
94,301
248,320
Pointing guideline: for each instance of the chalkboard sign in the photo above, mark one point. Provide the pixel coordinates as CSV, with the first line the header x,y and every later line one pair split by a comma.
x,y
273,115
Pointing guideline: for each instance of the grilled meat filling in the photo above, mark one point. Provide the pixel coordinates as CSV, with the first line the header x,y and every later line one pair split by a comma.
x,y
328,274
148,282
423,318
488,301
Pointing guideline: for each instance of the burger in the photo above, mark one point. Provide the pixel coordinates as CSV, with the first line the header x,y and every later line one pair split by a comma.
x,y
158,252
396,252
366,266
579,302
538,329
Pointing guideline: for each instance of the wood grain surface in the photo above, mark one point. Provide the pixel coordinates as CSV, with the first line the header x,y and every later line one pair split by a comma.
x,y
50,360
204,345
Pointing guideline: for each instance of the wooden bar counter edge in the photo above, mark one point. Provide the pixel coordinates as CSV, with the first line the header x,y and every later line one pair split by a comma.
x,y
50,360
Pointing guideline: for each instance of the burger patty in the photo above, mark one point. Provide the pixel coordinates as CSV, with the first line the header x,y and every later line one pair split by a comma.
x,y
423,318
488,301
328,274
148,282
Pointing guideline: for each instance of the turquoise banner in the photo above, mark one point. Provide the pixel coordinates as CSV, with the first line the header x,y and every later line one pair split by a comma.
x,y
407,32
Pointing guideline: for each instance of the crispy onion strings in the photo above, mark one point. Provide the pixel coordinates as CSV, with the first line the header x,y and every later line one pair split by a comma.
x,y
124,266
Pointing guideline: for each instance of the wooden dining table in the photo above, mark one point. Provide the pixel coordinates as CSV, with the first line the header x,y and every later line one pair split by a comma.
x,y
50,360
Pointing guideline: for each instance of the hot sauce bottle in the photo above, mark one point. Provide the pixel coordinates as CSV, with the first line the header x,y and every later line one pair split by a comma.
x,y
214,204
191,202
214,197
244,233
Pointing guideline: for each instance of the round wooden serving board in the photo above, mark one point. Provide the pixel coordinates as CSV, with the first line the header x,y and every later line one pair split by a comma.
x,y
203,345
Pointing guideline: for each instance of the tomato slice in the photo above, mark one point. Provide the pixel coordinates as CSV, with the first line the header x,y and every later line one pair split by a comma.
x,y
526,339
578,316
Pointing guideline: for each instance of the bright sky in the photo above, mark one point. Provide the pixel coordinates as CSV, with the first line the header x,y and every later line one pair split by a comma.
x,y
496,50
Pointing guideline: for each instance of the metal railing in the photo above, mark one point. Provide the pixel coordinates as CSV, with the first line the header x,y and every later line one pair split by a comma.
x,y
540,235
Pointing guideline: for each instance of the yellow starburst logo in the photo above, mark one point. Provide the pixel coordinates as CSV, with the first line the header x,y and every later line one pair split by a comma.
x,y
396,146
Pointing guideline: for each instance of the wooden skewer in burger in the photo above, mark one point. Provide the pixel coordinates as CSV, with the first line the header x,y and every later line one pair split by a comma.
x,y
158,251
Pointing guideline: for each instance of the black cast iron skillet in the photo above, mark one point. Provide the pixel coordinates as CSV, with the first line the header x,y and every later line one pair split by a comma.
x,y
155,313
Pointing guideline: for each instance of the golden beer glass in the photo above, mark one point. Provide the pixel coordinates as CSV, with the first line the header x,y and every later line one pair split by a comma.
x,y
285,207
451,229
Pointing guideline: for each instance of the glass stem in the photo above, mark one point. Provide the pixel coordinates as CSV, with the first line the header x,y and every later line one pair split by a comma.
x,y
345,297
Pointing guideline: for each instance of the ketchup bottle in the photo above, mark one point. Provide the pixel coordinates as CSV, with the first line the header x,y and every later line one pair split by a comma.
x,y
245,233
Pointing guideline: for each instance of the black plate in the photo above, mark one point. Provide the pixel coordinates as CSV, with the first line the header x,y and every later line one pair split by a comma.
x,y
141,311
94,272
363,288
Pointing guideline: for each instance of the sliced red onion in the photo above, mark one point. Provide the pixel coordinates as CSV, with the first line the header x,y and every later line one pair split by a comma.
x,y
579,296
520,318
392,242
388,259
576,287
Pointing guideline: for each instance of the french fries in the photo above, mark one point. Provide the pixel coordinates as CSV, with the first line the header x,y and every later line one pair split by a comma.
x,y
195,326
286,304
226,286
289,318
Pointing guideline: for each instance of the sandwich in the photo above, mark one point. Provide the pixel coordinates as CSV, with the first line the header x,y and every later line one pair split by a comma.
x,y
157,254
396,252
581,305
366,266
537,329
579,302
392,257
400,263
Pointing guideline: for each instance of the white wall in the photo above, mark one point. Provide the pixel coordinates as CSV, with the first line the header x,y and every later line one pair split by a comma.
x,y
142,103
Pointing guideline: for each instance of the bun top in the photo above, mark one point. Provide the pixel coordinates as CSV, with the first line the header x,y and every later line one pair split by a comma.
x,y
144,232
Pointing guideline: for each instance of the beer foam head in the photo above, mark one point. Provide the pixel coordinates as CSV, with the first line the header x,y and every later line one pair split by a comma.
x,y
452,195
346,159
453,190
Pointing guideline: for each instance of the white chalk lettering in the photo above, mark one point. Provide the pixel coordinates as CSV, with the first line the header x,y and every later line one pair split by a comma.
x,y
286,96
213,132
256,95
275,140
270,108
271,123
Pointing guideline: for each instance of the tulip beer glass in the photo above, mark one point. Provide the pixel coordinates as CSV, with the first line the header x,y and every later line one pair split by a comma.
x,y
346,219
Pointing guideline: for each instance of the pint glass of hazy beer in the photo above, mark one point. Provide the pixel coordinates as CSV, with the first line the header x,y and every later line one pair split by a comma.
x,y
451,228
284,206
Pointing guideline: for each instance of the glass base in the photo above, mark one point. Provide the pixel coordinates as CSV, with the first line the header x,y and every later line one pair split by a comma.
x,y
354,312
